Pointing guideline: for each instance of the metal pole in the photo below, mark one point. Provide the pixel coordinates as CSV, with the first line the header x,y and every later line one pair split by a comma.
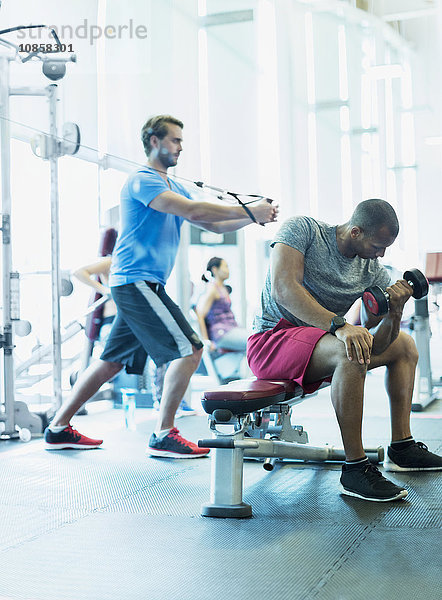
x,y
55,249
242,267
8,359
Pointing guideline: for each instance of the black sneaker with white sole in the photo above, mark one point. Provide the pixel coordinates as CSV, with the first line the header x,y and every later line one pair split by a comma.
x,y
368,483
414,457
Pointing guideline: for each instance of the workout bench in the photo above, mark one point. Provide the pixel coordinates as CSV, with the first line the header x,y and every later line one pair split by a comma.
x,y
255,415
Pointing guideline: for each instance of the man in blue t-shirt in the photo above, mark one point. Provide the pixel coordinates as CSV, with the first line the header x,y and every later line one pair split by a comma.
x,y
148,322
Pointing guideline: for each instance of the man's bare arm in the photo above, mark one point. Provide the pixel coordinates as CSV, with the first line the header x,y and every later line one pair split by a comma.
x,y
225,226
287,275
208,212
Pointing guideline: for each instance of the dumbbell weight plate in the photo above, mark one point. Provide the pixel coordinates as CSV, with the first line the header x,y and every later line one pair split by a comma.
x,y
419,282
375,301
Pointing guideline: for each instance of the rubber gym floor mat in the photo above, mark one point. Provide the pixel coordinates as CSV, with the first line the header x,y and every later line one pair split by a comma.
x,y
42,491
114,556
182,495
113,523
81,481
72,484
400,566
311,491
176,495
311,494
423,508
19,524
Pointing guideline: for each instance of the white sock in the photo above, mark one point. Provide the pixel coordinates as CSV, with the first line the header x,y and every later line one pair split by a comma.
x,y
57,428
356,462
162,433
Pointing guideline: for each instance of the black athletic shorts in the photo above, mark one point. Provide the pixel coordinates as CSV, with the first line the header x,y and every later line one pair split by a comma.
x,y
148,323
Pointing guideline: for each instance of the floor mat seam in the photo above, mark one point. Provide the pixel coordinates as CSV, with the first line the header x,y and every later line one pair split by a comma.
x,y
339,563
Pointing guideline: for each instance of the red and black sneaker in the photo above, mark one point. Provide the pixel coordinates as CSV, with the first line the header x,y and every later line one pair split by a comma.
x,y
69,438
173,445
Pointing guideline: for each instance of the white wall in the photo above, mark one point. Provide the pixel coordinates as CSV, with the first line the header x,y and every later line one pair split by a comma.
x,y
424,34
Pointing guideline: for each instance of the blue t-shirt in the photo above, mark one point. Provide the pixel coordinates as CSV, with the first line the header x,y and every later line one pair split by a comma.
x,y
148,240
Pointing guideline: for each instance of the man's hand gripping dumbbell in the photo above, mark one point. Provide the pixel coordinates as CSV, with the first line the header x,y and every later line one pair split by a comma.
x,y
380,303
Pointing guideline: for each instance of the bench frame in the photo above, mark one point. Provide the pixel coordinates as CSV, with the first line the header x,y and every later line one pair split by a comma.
x,y
266,433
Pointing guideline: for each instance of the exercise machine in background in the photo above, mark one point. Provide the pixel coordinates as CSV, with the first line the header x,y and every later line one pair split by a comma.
x,y
15,418
426,388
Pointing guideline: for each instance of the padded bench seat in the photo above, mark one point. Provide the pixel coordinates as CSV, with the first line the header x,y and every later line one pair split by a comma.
x,y
248,395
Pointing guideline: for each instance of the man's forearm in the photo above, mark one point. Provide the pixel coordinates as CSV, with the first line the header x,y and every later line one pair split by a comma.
x,y
210,213
300,303
386,332
226,226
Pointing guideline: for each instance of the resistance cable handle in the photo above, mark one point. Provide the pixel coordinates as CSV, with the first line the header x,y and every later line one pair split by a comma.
x,y
241,203
235,195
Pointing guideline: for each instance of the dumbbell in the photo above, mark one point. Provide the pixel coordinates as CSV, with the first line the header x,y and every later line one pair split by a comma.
x,y
376,300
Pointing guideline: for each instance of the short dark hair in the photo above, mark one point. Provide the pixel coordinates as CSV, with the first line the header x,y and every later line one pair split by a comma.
x,y
157,126
374,214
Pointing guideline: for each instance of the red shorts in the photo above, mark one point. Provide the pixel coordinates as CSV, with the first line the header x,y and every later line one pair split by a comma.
x,y
284,353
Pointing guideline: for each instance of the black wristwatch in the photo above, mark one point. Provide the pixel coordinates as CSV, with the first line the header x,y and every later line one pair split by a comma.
x,y
336,323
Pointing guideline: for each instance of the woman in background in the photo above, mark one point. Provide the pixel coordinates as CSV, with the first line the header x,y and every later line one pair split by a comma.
x,y
217,322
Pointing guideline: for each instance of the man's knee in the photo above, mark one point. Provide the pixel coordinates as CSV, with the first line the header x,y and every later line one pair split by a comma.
x,y
406,348
112,368
196,357
329,356
343,362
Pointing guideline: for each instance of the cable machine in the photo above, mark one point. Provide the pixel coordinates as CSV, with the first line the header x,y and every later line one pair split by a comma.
x,y
15,416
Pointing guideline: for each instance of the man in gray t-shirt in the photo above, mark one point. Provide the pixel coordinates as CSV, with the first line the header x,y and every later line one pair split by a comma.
x,y
334,280
317,272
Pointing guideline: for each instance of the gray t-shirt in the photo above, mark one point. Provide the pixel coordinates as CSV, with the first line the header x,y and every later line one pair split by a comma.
x,y
333,280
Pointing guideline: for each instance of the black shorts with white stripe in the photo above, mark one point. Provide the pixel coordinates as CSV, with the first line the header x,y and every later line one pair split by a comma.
x,y
148,322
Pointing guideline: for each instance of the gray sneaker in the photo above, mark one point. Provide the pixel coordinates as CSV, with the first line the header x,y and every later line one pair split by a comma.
x,y
415,457
368,483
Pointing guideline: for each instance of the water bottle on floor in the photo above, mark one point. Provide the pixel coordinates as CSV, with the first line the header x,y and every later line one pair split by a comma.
x,y
128,401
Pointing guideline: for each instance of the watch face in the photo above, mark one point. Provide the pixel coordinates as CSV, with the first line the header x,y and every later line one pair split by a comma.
x,y
336,323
